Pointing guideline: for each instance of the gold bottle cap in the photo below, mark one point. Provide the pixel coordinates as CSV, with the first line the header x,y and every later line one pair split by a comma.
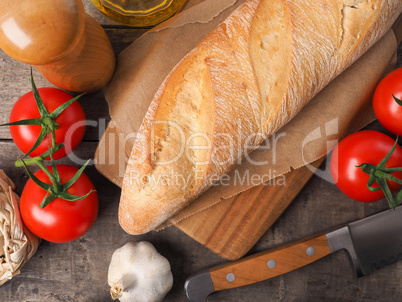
x,y
139,13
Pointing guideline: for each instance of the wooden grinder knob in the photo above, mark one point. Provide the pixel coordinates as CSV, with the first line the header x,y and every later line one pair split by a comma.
x,y
68,47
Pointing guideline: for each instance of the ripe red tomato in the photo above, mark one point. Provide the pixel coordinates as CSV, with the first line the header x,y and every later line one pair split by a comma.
x,y
363,147
25,136
61,220
387,110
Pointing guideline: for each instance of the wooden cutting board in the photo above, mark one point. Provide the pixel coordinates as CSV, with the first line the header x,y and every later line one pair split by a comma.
x,y
231,227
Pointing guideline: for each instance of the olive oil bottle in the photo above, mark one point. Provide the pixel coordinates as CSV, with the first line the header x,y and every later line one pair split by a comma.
x,y
139,13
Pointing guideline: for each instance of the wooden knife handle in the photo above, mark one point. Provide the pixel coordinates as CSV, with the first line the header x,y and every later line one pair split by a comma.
x,y
270,264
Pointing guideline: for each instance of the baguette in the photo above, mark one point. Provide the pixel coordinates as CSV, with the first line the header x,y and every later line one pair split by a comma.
x,y
243,82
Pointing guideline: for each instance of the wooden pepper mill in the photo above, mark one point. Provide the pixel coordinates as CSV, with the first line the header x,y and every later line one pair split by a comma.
x,y
66,45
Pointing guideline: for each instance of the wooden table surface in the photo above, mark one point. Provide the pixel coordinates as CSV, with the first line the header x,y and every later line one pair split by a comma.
x,y
77,271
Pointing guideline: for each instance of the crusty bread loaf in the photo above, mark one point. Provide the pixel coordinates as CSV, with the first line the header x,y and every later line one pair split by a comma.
x,y
242,83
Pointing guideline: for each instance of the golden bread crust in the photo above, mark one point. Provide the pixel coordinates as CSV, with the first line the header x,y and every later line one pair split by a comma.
x,y
247,78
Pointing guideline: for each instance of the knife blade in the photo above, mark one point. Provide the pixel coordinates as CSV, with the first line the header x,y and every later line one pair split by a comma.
x,y
372,242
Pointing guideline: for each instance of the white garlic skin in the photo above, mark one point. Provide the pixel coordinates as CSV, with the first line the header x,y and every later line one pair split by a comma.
x,y
138,273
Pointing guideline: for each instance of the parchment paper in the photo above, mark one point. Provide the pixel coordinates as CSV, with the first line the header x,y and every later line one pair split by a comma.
x,y
342,107
143,65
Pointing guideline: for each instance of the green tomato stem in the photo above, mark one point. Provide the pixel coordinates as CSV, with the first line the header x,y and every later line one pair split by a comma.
x,y
53,134
47,120
398,101
34,160
48,123
380,175
390,177
57,186
28,162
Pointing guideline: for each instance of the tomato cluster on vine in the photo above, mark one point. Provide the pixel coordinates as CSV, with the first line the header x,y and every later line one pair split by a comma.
x,y
367,165
59,203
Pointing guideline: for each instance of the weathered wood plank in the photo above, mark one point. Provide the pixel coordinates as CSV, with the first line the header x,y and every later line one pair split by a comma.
x,y
14,82
77,271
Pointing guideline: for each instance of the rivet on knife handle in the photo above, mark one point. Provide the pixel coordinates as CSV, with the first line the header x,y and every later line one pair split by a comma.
x,y
372,242
270,264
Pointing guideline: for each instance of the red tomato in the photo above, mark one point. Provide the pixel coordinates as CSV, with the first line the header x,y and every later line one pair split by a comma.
x,y
26,135
389,112
61,220
363,147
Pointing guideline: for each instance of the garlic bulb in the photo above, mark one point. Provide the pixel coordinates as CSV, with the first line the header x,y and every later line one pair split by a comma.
x,y
138,273
17,243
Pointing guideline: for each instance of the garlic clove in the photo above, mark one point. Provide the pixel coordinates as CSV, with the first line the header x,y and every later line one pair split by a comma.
x,y
138,273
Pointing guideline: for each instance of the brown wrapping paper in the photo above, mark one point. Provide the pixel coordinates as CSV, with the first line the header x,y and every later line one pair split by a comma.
x,y
342,107
143,65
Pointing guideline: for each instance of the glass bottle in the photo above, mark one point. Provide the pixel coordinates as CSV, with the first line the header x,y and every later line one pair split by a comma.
x,y
139,13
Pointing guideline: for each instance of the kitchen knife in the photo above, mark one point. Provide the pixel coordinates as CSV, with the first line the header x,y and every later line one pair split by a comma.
x,y
372,242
